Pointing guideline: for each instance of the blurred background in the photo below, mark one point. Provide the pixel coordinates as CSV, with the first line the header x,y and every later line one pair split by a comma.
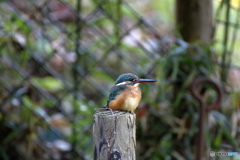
x,y
59,59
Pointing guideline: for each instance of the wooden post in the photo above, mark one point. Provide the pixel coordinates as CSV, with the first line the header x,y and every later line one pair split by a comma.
x,y
114,135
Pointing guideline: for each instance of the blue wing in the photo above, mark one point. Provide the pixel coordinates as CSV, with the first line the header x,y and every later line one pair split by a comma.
x,y
115,90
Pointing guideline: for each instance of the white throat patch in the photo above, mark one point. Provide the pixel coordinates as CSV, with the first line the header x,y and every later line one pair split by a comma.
x,y
121,83
135,85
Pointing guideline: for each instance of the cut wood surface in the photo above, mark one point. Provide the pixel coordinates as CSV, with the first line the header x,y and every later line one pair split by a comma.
x,y
114,134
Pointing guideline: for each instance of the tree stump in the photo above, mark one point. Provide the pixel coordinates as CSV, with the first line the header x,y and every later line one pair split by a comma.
x,y
114,134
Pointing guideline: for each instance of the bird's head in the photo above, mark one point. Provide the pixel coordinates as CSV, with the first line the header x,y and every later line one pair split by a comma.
x,y
129,78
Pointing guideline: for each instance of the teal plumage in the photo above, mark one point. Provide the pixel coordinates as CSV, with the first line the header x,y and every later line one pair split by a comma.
x,y
125,94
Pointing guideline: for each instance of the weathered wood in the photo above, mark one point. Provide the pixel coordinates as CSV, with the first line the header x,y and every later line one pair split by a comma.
x,y
114,134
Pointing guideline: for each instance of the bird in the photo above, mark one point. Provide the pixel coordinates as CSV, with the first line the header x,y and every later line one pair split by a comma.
x,y
125,95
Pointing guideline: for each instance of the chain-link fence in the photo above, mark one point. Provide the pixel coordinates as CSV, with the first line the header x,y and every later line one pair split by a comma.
x,y
58,62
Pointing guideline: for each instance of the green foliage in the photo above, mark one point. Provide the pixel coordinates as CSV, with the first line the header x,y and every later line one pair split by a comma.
x,y
44,92
177,111
189,60
50,84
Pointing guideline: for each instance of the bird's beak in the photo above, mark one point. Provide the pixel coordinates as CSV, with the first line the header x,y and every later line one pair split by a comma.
x,y
145,80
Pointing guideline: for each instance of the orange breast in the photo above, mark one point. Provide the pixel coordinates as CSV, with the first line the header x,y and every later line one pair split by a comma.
x,y
128,100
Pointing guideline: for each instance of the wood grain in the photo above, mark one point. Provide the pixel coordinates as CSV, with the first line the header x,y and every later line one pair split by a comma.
x,y
114,135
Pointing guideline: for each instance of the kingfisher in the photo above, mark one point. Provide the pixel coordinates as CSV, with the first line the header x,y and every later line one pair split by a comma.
x,y
125,95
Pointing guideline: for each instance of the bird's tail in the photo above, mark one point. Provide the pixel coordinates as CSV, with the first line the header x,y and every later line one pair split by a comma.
x,y
106,105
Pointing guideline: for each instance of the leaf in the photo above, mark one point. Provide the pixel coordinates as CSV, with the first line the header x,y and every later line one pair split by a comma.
x,y
224,125
50,84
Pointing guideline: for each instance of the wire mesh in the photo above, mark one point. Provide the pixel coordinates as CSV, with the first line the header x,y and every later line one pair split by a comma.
x,y
59,59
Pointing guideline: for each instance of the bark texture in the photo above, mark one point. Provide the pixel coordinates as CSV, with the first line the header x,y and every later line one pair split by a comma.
x,y
194,20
